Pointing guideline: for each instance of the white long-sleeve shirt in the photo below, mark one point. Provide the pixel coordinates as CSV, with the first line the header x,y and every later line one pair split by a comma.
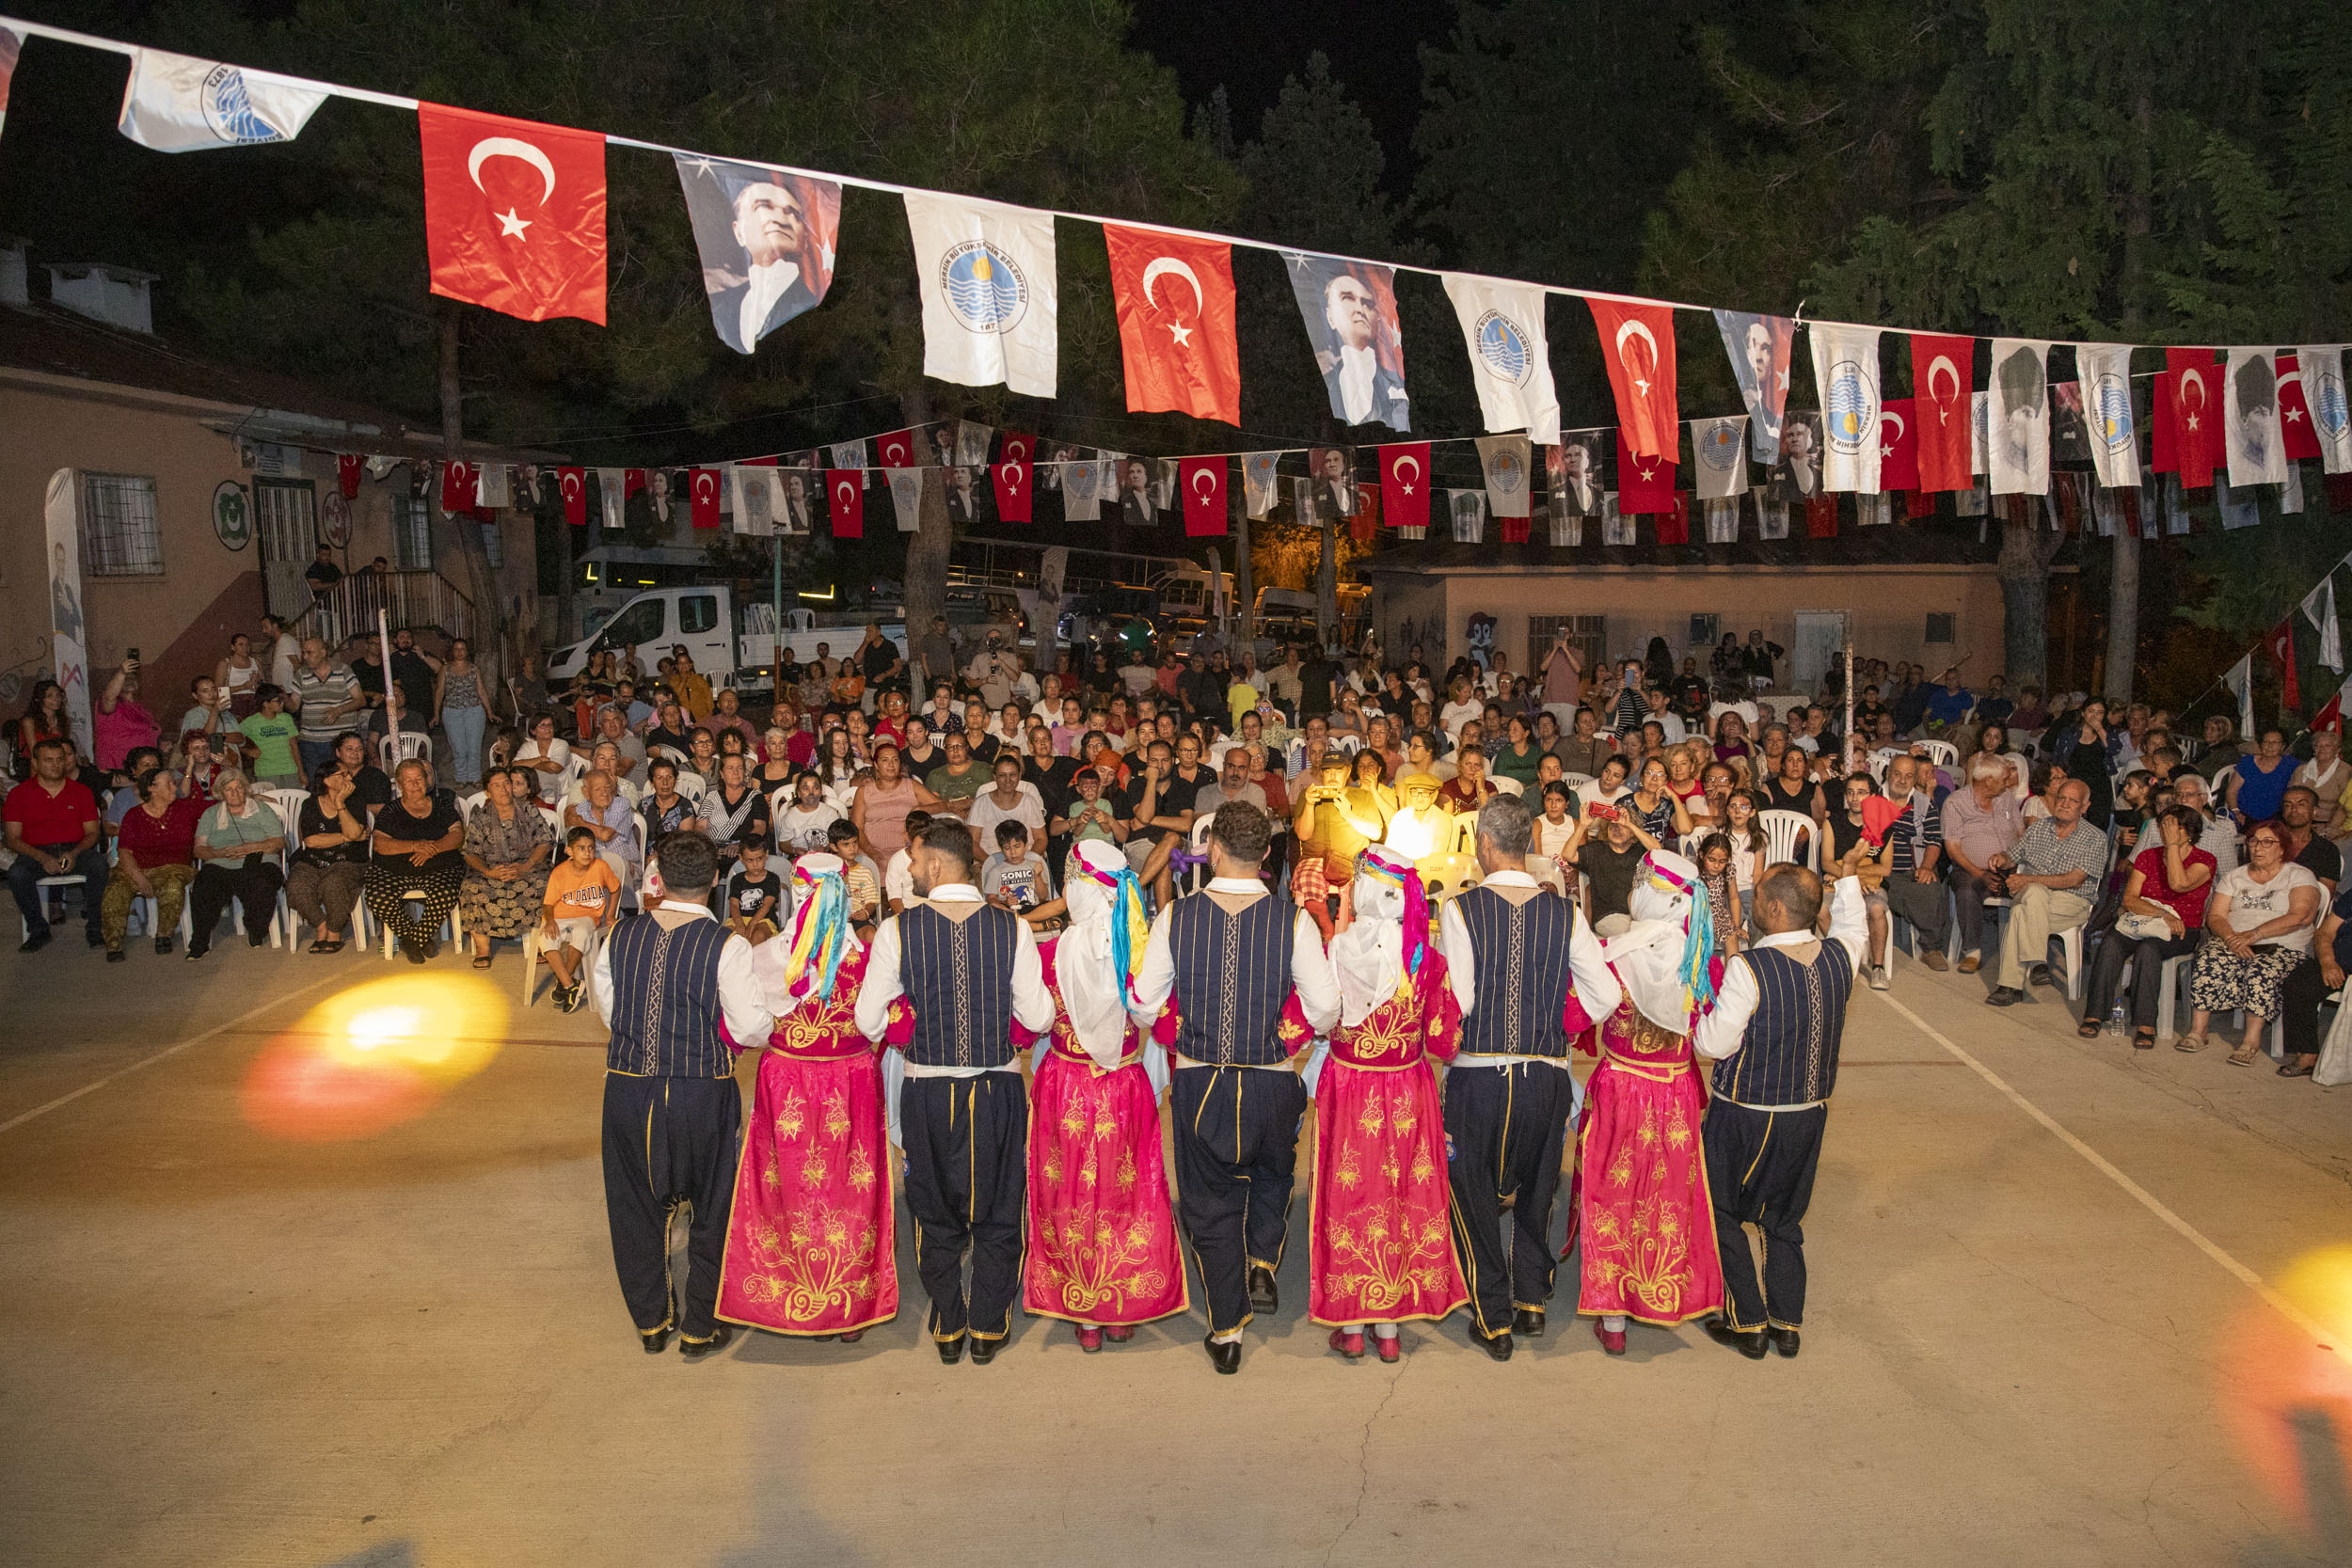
x,y
1596,987
741,1001
1725,1027
1312,975
1032,1004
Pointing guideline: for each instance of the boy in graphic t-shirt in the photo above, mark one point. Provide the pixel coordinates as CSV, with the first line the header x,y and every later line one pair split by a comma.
x,y
754,895
583,897
1012,878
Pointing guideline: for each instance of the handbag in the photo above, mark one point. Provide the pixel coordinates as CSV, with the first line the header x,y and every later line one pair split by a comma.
x,y
2135,926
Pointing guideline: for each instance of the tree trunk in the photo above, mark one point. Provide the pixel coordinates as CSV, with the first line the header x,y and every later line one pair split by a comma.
x,y
2026,549
489,652
1328,584
924,583
1245,591
2123,573
2122,616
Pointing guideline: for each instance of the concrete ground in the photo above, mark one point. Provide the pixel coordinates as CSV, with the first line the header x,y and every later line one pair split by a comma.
x,y
235,1331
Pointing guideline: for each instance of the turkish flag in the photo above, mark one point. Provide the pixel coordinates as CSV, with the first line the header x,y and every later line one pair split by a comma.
x,y
1175,300
573,483
1644,483
703,491
1899,445
350,464
1638,343
514,214
897,448
1015,481
1920,503
2195,415
1821,518
1016,448
1943,368
2282,645
457,485
1404,483
2330,714
1202,480
846,490
1366,522
2295,412
1673,524
2162,459
633,481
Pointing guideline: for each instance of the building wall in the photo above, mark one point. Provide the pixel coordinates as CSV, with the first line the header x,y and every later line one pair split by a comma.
x,y
1888,606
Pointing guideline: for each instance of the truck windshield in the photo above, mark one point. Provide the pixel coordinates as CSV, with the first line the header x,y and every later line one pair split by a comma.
x,y
640,624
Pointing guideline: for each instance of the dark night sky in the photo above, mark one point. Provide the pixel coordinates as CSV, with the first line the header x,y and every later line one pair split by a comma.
x,y
1248,46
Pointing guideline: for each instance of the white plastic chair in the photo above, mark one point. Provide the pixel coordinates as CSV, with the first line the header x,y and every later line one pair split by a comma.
x,y
465,803
531,958
288,804
71,879
393,750
1506,786
1942,753
1577,781
1781,830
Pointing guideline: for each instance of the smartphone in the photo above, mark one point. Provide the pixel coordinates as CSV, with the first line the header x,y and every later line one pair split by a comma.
x,y
132,654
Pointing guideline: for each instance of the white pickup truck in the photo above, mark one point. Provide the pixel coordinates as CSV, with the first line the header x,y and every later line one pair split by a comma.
x,y
732,645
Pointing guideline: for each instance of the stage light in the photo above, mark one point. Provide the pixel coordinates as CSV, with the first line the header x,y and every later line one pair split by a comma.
x,y
373,1057
2289,1394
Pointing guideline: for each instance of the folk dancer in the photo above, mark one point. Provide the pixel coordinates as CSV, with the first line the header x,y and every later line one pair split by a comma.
x,y
1378,1251
1644,1228
1102,1234
1231,955
970,969
1773,1037
1528,974
676,987
812,1249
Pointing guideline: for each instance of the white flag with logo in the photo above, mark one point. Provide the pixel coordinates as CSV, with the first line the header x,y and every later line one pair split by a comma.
x,y
1468,509
852,454
177,103
1509,479
2017,418
906,495
2240,680
1082,492
2320,605
986,272
1979,451
1723,520
1567,529
492,486
2332,417
1260,488
754,488
610,496
1846,374
2249,411
2104,371
1503,324
1718,460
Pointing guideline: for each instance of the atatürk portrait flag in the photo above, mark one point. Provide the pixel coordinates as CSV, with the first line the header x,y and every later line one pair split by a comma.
x,y
514,214
766,239
1174,295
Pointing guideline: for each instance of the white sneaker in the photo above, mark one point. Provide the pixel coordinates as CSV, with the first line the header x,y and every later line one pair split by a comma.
x,y
1879,980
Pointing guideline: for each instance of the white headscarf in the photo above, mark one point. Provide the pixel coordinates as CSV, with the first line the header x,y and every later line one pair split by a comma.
x,y
1648,956
1085,968
1370,954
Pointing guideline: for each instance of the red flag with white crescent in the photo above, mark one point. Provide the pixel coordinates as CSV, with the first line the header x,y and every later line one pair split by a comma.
x,y
573,483
1366,520
896,449
1943,372
2330,714
2195,415
845,490
1637,342
1015,481
1673,524
2282,645
1821,518
1014,447
1899,445
1404,485
350,464
2295,412
514,214
1645,484
1174,295
1203,481
703,493
457,485
633,481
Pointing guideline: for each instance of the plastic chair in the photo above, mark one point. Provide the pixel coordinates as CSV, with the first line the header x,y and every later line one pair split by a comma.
x,y
1942,753
532,958
1577,781
1506,786
393,750
1199,874
465,803
1781,830
71,879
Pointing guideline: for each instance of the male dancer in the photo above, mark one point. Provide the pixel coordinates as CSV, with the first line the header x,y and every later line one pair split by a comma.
x,y
664,980
1231,955
1774,1035
1530,975
969,969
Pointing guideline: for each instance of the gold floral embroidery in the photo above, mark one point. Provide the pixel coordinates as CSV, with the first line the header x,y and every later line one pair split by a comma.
x,y
820,1263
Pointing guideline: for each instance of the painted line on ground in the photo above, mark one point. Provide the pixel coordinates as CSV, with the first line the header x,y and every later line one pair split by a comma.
x,y
2148,1201
63,1099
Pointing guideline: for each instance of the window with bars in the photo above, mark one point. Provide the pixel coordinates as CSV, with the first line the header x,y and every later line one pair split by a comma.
x,y
1587,635
120,536
1940,626
412,534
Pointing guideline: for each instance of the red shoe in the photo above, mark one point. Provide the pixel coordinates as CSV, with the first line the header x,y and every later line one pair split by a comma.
x,y
1611,1342
1090,1339
1120,1336
852,1336
1391,1348
1349,1345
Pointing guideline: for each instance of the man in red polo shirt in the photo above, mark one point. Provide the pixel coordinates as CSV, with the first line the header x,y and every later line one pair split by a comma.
x,y
51,825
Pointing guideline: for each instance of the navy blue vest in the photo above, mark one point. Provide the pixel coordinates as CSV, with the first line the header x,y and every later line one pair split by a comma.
x,y
957,976
1790,1054
1519,969
1232,977
665,999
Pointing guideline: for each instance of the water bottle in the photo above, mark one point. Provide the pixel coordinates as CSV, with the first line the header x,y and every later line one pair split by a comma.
x,y
2116,1024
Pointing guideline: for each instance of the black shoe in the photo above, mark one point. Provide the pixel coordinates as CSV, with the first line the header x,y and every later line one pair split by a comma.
x,y
1783,1340
656,1342
256,938
95,937
197,950
2039,974
718,1341
1263,1296
984,1351
1750,1345
35,943
433,948
1225,1358
415,950
114,955
950,1350
1527,1320
163,944
1499,1347
2004,996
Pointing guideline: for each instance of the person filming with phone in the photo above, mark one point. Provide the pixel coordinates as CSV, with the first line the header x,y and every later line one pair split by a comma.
x,y
1607,848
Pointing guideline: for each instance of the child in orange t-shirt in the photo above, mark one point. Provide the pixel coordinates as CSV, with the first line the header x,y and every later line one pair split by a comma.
x,y
583,896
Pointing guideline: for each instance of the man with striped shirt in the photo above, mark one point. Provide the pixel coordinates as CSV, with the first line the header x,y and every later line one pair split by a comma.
x,y
1914,861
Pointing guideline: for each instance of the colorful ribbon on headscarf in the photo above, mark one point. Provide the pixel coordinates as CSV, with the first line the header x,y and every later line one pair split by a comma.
x,y
1129,929
1699,970
1384,865
821,931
